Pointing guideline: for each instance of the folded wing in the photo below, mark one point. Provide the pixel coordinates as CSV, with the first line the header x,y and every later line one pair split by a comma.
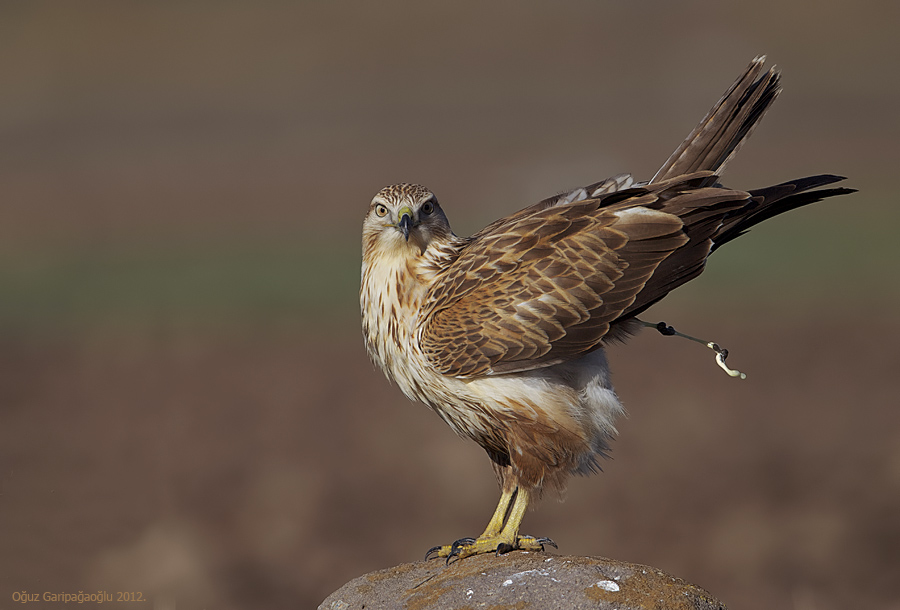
x,y
542,287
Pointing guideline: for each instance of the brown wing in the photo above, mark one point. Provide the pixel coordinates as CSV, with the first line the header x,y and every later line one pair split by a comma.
x,y
618,182
542,287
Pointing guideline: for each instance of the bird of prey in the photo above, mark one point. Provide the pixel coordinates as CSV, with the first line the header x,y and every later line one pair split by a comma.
x,y
502,334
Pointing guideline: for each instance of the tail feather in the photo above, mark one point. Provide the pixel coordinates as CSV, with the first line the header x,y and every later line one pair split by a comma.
x,y
774,200
696,196
712,144
708,230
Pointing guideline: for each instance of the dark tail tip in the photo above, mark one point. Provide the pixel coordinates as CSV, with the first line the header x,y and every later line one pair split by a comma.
x,y
774,200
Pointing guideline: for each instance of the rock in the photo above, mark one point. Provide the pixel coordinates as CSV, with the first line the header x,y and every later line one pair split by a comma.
x,y
520,580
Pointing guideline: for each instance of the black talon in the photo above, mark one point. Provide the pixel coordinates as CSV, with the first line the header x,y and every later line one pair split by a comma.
x,y
543,541
430,551
456,548
503,548
463,542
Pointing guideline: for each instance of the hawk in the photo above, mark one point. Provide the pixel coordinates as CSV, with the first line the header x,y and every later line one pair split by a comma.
x,y
502,334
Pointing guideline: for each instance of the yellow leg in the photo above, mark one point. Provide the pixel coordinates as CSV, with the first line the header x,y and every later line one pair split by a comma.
x,y
496,523
510,531
497,537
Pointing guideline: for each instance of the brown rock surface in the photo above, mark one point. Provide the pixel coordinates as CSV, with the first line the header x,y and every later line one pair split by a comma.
x,y
518,581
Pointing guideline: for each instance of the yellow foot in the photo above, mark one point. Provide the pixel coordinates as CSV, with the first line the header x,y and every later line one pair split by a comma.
x,y
466,547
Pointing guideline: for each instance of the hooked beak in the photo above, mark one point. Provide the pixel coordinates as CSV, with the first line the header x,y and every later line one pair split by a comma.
x,y
405,221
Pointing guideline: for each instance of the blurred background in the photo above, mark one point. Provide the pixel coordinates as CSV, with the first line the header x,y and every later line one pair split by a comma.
x,y
186,407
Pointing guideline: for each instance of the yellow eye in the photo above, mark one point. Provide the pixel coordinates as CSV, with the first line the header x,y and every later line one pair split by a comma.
x,y
381,210
428,208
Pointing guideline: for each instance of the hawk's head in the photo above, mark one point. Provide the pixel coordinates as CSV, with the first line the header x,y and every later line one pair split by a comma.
x,y
404,218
